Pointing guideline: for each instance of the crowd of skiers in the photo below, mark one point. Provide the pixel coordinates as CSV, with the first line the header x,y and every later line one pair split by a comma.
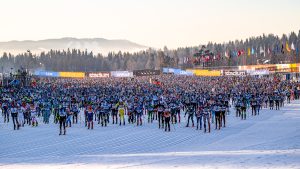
x,y
207,100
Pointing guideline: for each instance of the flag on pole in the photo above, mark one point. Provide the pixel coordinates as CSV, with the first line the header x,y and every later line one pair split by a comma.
x,y
276,50
282,49
292,46
239,53
287,47
269,51
249,52
262,51
226,54
235,53
252,51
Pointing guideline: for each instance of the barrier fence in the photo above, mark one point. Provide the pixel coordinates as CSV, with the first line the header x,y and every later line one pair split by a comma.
x,y
253,70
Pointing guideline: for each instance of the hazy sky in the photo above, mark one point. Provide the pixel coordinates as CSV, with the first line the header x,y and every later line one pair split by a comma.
x,y
175,23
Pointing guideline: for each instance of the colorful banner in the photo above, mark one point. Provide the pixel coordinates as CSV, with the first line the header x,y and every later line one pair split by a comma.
x,y
46,73
121,74
258,72
98,74
183,72
207,72
72,74
171,70
233,73
146,72
273,67
165,70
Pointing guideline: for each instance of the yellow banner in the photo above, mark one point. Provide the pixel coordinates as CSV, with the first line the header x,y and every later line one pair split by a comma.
x,y
72,74
207,72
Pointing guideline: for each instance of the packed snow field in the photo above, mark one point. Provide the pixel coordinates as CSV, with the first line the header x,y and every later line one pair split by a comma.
x,y
270,140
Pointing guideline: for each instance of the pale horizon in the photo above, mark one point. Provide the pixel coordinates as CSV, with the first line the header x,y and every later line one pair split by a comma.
x,y
153,23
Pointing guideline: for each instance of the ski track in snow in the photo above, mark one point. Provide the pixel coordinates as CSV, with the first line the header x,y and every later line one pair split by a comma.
x,y
270,140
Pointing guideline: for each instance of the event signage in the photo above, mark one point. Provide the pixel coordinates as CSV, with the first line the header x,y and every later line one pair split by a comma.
x,y
72,74
146,72
205,72
121,74
258,72
270,68
169,70
234,73
165,70
99,75
46,73
183,72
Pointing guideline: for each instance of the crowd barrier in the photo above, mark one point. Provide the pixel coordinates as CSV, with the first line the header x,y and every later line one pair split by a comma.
x,y
252,70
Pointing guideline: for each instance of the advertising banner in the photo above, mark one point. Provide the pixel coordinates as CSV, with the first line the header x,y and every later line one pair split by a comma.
x,y
72,74
98,74
171,70
121,74
258,72
165,70
183,72
207,72
273,67
46,73
146,72
233,73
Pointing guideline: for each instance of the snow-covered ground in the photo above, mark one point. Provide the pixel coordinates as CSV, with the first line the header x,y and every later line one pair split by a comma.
x,y
270,140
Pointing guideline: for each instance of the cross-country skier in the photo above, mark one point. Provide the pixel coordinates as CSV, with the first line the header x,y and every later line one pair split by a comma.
x,y
62,120
167,116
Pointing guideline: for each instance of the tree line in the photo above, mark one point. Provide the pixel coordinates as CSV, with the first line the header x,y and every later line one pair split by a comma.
x,y
263,49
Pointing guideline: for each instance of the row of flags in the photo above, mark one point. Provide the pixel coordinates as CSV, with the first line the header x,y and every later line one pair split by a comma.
x,y
261,51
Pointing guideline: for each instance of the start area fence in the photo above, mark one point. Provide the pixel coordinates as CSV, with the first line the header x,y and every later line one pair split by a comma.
x,y
252,70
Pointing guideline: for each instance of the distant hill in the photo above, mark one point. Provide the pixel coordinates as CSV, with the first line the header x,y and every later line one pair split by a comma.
x,y
97,45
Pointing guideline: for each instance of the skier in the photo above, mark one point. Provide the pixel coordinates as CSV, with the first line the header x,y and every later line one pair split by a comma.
x,y
46,113
150,110
217,116
167,117
277,100
199,116
56,111
160,110
21,111
244,109
253,105
90,115
121,106
5,112
14,115
105,114
206,117
114,113
223,114
178,106
69,117
75,113
288,95
130,113
139,113
190,111
62,120
33,114
271,101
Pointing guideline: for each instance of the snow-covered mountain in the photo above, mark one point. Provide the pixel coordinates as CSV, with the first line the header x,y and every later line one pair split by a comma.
x,y
97,45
